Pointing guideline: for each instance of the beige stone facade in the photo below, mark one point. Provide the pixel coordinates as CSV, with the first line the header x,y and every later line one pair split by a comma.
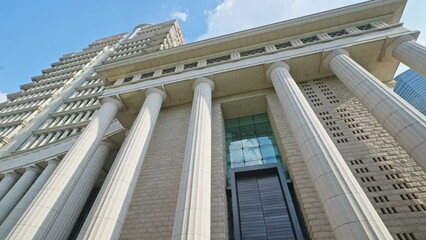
x,y
313,212
287,131
151,211
393,182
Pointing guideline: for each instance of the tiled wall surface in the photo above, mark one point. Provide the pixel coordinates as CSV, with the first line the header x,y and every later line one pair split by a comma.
x,y
152,209
393,182
312,210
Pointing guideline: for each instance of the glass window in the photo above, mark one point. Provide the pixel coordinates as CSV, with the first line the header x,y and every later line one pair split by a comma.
x,y
268,151
253,163
245,121
271,160
266,140
261,118
233,145
231,123
236,156
247,131
236,165
263,128
251,154
250,141
233,133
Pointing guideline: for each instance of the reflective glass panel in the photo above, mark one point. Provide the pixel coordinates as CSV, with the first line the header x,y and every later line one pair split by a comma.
x,y
233,145
250,142
268,151
236,156
251,154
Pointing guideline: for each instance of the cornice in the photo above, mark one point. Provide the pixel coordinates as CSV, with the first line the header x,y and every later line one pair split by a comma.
x,y
262,59
388,11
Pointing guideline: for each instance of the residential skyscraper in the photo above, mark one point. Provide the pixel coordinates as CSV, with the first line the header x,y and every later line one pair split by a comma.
x,y
285,131
412,87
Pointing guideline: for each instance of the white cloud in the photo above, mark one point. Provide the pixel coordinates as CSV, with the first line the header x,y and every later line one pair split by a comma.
x,y
3,97
236,15
183,16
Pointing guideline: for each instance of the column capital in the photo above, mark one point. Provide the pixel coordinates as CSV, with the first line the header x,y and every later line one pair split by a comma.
x,y
331,55
33,168
157,91
113,100
274,66
53,161
205,80
107,144
394,43
12,173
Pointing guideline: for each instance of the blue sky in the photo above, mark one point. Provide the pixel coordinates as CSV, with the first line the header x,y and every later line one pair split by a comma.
x,y
37,33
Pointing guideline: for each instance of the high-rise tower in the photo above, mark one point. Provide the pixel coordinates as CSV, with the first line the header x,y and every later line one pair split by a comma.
x,y
412,87
49,113
287,131
66,94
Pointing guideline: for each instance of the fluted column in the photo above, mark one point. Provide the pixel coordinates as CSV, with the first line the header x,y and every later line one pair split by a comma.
x,y
109,211
18,190
409,52
192,216
348,209
7,182
66,219
401,120
23,204
52,197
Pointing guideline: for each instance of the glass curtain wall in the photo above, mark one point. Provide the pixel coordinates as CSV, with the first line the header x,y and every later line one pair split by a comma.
x,y
249,142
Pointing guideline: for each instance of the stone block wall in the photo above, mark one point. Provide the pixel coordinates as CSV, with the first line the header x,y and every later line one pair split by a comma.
x,y
393,182
152,209
307,197
219,208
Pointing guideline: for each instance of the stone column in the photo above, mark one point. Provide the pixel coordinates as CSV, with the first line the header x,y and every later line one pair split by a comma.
x,y
71,210
26,200
108,213
400,119
192,216
7,182
48,203
348,209
18,190
409,52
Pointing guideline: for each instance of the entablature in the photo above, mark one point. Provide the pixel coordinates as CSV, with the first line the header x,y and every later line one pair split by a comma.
x,y
388,12
372,32
243,74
